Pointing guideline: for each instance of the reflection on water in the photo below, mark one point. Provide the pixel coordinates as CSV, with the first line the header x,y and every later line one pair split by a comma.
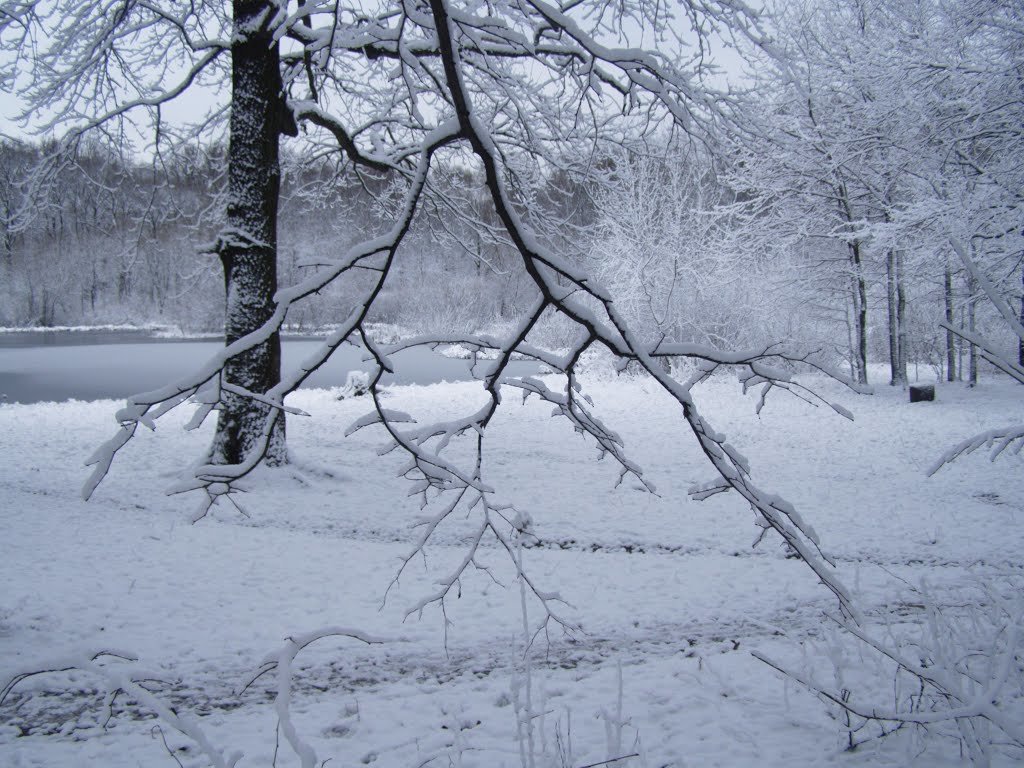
x,y
91,365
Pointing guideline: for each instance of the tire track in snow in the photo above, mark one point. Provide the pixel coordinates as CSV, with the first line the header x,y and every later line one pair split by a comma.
x,y
79,710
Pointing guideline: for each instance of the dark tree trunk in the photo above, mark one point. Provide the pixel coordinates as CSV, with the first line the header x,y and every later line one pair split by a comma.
x,y
1020,342
972,326
860,293
8,238
897,307
960,343
890,303
901,317
950,336
860,302
248,247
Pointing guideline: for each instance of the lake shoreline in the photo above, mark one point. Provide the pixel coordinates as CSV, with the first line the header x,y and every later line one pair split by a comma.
x,y
153,332
101,365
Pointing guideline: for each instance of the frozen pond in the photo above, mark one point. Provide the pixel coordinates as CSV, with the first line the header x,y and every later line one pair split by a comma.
x,y
92,365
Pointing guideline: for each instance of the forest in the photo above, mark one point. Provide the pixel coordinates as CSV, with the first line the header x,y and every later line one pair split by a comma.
x,y
826,211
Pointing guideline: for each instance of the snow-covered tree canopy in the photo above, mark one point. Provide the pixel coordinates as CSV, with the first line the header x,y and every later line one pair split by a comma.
x,y
515,93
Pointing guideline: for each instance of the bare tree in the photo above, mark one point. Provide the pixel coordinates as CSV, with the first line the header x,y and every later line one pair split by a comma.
x,y
1001,356
522,88
510,90
676,263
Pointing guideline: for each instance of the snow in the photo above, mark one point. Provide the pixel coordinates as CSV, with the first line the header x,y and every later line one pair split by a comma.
x,y
665,588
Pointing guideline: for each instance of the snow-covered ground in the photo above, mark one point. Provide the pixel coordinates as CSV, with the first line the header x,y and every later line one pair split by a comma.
x,y
668,592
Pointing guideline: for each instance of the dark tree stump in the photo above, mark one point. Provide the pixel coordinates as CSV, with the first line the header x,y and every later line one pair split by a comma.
x,y
920,393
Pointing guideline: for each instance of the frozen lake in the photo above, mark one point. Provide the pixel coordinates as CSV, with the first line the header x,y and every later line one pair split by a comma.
x,y
92,365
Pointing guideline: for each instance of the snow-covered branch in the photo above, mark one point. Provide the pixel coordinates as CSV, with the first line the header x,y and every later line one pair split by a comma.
x,y
958,675
439,86
108,666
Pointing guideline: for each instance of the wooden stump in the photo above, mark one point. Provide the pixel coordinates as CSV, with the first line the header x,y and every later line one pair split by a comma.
x,y
920,393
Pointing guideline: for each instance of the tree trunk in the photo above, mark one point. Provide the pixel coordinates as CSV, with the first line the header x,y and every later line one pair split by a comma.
x,y
901,320
950,336
960,345
860,301
248,247
972,359
860,293
1020,342
890,296
8,236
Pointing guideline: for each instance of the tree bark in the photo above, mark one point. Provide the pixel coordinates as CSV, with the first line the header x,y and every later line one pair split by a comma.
x,y
1020,342
860,293
972,319
896,302
860,302
248,247
901,319
950,336
960,345
890,303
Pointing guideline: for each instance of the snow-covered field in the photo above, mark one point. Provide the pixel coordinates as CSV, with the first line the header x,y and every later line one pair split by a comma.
x,y
668,592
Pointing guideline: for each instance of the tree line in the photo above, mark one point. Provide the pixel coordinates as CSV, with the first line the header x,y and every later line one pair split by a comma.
x,y
109,240
883,138
869,138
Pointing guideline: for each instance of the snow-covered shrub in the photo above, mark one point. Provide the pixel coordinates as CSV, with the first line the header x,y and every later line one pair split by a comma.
x,y
357,384
946,668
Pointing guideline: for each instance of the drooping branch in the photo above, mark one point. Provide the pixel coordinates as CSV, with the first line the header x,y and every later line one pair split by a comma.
x,y
961,668
106,664
618,337
465,63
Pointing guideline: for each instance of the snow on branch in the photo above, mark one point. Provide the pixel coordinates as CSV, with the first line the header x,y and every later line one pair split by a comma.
x,y
545,269
1009,316
958,674
141,408
1000,440
108,665
281,662
463,87
112,668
